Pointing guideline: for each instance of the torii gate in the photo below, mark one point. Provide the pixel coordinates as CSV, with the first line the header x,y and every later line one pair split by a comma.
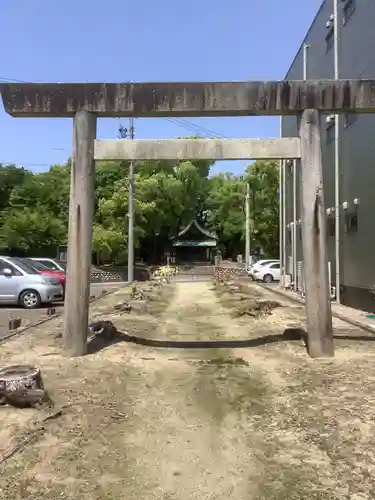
x,y
84,102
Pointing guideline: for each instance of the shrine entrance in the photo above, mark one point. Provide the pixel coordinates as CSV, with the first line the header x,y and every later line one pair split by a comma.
x,y
194,245
85,102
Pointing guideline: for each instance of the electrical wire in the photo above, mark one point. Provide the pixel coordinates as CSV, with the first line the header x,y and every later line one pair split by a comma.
x,y
181,122
193,127
4,79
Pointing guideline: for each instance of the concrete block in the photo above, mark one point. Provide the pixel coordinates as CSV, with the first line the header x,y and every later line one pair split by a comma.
x,y
14,323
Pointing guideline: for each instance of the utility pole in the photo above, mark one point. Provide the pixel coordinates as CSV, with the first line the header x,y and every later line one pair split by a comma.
x,y
247,226
337,153
123,134
131,211
281,219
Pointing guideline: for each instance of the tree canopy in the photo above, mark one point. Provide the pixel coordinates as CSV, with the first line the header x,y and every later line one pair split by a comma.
x,y
34,207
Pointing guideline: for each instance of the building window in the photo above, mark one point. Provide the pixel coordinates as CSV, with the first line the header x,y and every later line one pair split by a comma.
x,y
350,118
330,38
351,222
348,10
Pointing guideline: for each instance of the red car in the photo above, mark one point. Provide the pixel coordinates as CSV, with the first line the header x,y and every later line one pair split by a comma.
x,y
42,269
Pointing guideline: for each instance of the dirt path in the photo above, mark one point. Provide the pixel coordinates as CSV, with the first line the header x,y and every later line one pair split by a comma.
x,y
202,422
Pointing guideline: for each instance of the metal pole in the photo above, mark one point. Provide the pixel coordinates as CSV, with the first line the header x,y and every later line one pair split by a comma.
x,y
337,154
247,227
131,212
294,225
281,229
306,47
281,212
284,215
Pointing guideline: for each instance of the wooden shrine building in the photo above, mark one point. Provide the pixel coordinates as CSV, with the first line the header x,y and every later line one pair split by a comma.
x,y
194,244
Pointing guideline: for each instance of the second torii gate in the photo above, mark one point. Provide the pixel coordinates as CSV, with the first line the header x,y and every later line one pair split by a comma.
x,y
86,101
318,306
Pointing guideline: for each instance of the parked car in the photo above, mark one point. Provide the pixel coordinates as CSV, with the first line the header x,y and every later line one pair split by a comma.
x,y
52,264
60,275
24,285
260,263
268,272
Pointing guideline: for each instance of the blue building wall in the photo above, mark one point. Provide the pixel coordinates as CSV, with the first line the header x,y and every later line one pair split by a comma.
x,y
356,146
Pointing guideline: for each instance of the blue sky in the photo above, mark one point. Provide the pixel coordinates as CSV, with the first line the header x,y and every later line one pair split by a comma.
x,y
119,40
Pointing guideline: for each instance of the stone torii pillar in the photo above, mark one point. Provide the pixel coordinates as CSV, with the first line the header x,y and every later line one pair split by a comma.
x,y
314,239
81,212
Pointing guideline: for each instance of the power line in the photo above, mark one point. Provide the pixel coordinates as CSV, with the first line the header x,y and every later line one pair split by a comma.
x,y
204,129
4,79
193,127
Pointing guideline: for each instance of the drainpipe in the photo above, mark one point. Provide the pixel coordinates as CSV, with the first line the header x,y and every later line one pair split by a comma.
x,y
306,47
284,215
337,157
294,228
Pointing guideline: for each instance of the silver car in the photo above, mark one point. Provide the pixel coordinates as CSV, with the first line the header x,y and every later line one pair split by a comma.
x,y
21,284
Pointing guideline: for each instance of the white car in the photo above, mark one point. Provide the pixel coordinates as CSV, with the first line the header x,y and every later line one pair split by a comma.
x,y
260,263
268,272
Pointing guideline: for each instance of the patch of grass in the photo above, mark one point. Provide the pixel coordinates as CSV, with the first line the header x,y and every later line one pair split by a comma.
x,y
227,385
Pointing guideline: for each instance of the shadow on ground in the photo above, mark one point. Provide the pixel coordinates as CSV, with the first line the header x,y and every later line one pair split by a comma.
x,y
108,335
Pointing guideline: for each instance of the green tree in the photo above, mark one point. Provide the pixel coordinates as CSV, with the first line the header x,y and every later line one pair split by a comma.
x,y
225,206
34,207
29,231
107,243
263,177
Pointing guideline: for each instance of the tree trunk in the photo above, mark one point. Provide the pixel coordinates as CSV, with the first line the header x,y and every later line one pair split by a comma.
x,y
21,385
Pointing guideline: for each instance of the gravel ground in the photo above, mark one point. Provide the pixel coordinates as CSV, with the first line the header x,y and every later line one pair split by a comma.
x,y
198,401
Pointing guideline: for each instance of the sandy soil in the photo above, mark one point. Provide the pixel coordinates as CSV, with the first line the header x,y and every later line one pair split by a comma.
x,y
245,419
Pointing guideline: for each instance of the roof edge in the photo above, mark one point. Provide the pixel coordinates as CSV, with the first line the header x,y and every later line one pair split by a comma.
x,y
305,38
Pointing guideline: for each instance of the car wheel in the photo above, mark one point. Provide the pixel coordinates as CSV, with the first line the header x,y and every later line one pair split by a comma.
x,y
267,278
30,299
